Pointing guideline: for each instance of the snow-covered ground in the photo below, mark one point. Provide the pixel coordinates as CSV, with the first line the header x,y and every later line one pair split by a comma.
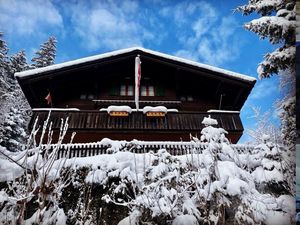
x,y
153,175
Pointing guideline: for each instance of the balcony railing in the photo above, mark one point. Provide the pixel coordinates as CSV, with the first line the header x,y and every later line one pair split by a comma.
x,y
138,147
181,121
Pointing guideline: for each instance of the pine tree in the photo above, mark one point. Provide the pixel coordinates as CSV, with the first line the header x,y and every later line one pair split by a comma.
x,y
46,55
13,105
3,50
18,63
14,134
277,24
4,79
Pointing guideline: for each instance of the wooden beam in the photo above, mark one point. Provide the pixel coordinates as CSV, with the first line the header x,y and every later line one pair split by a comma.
x,y
238,98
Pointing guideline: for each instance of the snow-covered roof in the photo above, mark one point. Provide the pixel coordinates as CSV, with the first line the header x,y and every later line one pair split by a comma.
x,y
38,71
221,111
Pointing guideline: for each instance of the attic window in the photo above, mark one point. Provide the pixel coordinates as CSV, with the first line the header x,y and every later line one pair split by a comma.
x,y
90,97
83,97
87,97
190,98
147,90
187,98
126,90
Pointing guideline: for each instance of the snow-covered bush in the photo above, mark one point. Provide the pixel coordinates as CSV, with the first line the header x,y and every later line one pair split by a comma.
x,y
33,191
216,185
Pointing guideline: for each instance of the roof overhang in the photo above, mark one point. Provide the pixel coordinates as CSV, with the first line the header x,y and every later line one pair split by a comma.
x,y
102,58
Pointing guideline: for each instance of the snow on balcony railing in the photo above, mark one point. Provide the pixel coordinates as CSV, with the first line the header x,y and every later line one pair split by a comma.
x,y
55,109
107,146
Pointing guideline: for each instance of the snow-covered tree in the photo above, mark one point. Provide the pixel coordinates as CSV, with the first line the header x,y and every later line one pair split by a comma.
x,y
4,62
263,126
15,108
3,52
14,125
18,63
278,24
45,56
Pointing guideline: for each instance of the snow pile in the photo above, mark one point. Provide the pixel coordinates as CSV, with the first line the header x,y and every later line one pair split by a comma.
x,y
114,146
114,108
185,219
208,121
155,109
210,133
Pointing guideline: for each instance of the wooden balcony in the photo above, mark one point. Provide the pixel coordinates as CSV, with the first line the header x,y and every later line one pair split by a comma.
x,y
136,123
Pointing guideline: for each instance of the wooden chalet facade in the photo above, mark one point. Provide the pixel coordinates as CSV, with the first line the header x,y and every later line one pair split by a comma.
x,y
83,90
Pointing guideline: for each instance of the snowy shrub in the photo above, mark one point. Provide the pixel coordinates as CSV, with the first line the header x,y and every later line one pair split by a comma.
x,y
33,196
216,185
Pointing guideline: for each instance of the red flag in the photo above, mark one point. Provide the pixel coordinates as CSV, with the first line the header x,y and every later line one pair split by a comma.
x,y
137,80
48,99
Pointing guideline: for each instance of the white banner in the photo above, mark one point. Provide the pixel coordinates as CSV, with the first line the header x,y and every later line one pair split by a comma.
x,y
137,80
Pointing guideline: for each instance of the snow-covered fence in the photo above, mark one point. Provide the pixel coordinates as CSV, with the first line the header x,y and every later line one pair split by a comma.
x,y
107,146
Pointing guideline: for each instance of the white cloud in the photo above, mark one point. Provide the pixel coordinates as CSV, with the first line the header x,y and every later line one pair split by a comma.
x,y
108,25
219,45
187,55
264,89
209,38
28,17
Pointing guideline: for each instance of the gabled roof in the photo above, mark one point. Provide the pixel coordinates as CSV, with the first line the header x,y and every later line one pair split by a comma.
x,y
62,66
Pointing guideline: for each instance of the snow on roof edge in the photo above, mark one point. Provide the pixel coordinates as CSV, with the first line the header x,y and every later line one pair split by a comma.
x,y
221,111
36,71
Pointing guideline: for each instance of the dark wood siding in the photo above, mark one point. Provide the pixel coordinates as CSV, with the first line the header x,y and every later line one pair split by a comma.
x,y
135,121
94,125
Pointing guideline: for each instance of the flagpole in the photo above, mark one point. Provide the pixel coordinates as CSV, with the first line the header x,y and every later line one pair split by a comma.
x,y
137,80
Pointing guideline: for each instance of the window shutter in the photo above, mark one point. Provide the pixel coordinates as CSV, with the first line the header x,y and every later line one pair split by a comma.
x,y
114,91
160,91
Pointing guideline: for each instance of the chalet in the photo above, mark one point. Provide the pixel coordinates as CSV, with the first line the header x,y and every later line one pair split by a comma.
x,y
97,94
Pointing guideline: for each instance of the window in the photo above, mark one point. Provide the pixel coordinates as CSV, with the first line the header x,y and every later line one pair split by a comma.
x,y
126,90
147,90
190,98
90,97
87,97
83,97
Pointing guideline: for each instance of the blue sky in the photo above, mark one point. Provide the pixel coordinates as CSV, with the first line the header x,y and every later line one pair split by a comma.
x,y
204,31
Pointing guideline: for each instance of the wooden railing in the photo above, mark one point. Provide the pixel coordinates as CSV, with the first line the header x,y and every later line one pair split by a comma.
x,y
97,148
137,120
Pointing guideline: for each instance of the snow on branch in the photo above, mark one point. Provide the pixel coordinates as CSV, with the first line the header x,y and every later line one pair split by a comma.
x,y
277,29
279,60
